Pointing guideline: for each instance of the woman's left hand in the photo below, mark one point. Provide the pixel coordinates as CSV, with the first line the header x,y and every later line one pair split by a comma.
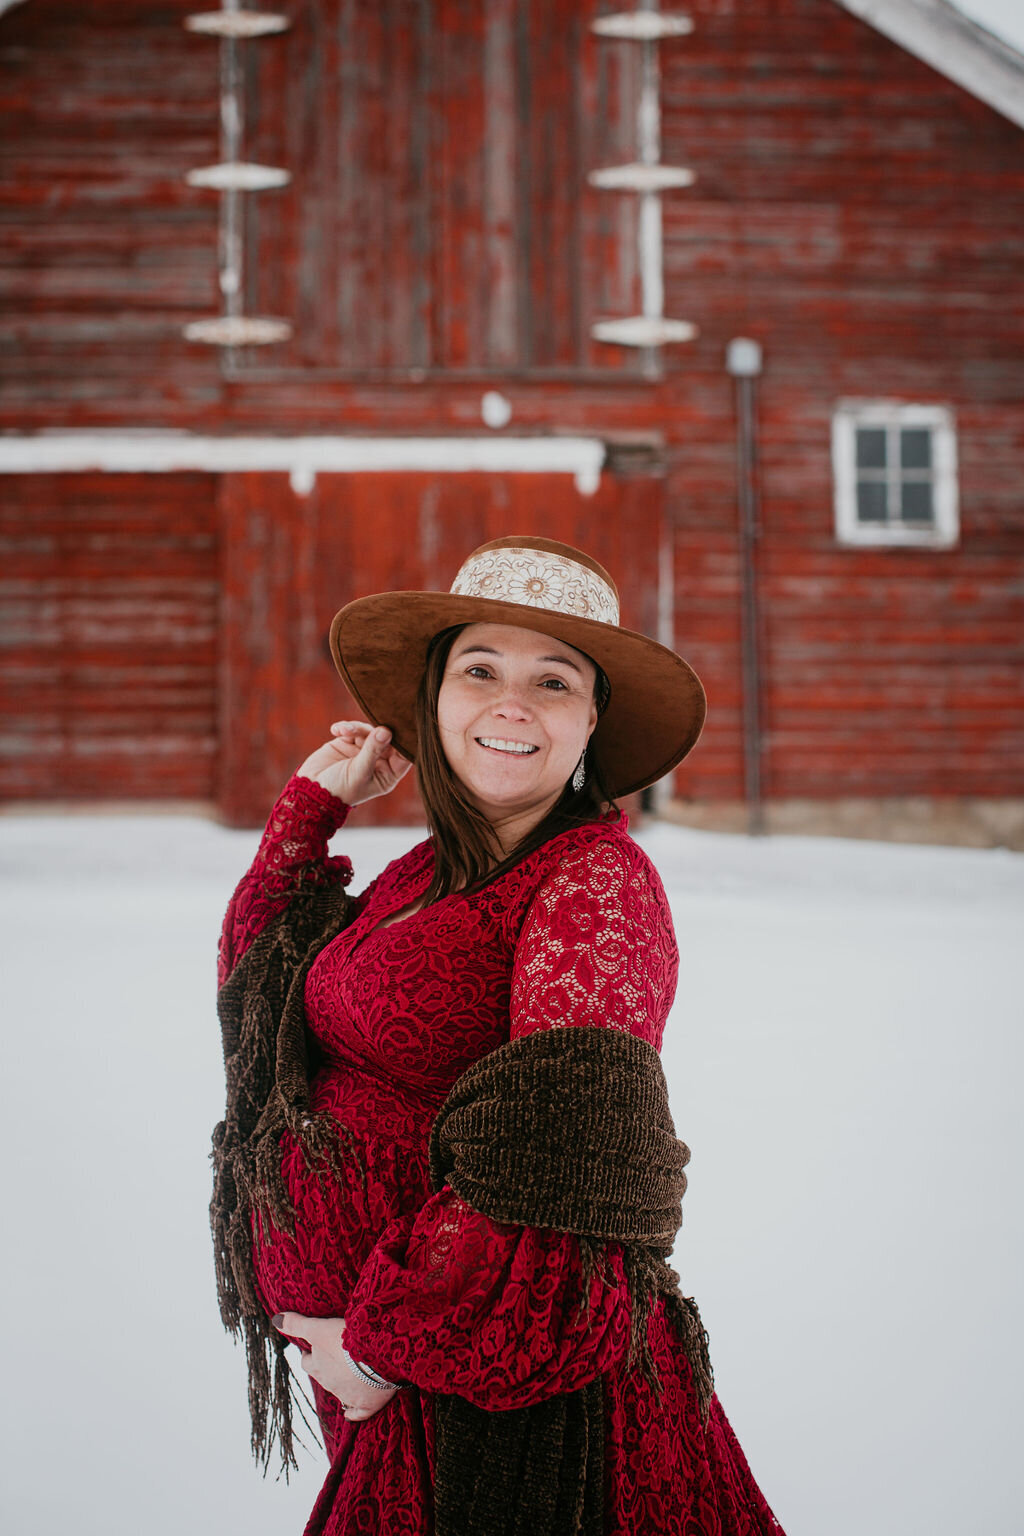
x,y
326,1363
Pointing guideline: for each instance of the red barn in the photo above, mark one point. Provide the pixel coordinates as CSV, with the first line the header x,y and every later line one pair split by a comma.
x,y
304,305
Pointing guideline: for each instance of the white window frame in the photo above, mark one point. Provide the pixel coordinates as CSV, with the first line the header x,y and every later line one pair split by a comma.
x,y
848,415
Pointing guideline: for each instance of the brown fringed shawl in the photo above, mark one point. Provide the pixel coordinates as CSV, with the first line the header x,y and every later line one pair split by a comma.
x,y
567,1128
263,1024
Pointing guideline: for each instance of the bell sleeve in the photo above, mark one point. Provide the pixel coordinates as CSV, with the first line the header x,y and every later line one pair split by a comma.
x,y
292,855
453,1302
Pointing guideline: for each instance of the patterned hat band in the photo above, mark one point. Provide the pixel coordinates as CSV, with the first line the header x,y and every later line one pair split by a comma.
x,y
536,578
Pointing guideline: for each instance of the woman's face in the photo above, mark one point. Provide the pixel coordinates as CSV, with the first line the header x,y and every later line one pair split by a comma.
x,y
514,712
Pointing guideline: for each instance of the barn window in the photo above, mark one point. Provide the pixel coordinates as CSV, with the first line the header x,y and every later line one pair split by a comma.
x,y
895,474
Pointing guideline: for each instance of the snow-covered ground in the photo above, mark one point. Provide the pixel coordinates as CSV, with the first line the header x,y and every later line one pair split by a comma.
x,y
845,1062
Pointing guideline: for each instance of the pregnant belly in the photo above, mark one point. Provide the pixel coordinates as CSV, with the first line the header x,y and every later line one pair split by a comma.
x,y
314,1269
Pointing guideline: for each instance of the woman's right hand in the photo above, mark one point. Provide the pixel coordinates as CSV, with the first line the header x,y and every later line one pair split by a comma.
x,y
358,762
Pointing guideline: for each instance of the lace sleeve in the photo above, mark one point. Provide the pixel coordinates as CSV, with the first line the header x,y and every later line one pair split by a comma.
x,y
454,1302
597,945
292,855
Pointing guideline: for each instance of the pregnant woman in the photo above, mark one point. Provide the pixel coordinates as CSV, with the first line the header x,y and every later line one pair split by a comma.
x,y
448,1171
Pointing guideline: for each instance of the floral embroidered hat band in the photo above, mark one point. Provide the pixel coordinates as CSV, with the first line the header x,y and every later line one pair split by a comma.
x,y
656,708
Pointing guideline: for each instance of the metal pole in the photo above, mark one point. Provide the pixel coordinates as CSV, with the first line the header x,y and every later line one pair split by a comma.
x,y
743,361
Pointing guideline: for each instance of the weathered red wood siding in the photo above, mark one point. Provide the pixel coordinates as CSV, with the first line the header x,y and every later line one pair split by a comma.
x,y
863,218
439,216
854,211
105,253
109,596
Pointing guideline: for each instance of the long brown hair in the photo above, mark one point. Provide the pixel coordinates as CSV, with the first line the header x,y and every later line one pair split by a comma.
x,y
467,853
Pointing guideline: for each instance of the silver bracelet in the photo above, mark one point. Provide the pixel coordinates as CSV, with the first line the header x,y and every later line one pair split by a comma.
x,y
370,1377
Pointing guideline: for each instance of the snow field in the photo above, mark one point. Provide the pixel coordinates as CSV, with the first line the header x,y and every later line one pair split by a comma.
x,y
843,1059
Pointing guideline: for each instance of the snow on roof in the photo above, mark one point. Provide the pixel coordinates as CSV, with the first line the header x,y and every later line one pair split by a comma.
x,y
961,49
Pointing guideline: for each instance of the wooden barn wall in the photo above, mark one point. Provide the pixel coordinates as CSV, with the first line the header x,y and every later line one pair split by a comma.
x,y
291,562
438,220
863,218
109,632
854,211
105,252
439,215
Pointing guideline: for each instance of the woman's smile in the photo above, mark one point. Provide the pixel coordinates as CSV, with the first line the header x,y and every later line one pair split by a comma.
x,y
518,748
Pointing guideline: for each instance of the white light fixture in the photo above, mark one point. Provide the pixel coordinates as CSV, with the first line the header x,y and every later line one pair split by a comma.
x,y
495,410
743,357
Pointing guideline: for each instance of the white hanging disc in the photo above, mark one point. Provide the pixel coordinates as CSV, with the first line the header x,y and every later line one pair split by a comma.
x,y
238,331
237,23
643,331
642,26
237,174
642,178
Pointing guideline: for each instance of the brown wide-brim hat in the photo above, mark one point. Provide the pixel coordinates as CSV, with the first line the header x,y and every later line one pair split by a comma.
x,y
657,705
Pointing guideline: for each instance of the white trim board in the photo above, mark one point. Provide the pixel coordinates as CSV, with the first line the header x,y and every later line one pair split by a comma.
x,y
965,52
158,452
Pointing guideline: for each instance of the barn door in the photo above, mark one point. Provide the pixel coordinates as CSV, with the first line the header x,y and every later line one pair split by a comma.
x,y
108,622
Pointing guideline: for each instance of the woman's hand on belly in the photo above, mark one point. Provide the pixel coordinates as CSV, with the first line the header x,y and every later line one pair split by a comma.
x,y
326,1360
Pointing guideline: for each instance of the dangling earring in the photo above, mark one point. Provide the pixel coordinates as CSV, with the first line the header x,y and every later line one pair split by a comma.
x,y
579,778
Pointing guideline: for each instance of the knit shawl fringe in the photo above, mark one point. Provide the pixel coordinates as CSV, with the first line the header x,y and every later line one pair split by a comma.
x,y
262,1013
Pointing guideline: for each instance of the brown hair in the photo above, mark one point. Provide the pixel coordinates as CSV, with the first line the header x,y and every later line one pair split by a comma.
x,y
467,853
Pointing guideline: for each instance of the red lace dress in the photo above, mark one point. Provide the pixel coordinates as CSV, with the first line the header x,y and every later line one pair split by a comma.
x,y
578,933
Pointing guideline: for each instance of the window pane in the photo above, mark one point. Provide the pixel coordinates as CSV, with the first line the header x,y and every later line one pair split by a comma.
x,y
871,501
870,447
917,501
916,448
